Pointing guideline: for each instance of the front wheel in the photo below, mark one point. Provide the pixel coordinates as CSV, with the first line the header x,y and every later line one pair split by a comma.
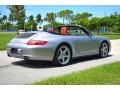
x,y
62,55
104,49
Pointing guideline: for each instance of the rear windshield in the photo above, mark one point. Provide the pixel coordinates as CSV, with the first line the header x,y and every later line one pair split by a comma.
x,y
25,35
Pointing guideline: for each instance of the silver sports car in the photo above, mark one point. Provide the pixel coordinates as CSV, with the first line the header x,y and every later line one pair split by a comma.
x,y
59,45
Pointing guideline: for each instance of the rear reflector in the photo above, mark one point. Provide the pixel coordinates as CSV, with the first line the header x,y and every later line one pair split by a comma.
x,y
36,42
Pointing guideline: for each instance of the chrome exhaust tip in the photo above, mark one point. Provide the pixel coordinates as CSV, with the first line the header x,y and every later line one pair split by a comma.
x,y
26,58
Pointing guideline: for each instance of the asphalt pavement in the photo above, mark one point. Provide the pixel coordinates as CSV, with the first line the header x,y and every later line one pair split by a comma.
x,y
14,71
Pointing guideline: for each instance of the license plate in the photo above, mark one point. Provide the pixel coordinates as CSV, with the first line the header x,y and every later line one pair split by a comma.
x,y
14,51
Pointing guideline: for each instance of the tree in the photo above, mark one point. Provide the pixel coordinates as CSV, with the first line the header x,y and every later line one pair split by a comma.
x,y
56,25
4,18
24,19
115,19
82,19
66,15
50,17
106,22
31,21
39,19
85,15
18,12
0,21
70,19
11,19
31,24
95,24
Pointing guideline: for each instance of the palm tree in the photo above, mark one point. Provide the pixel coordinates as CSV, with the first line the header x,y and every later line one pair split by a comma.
x,y
4,18
0,20
61,14
65,14
18,12
50,17
31,21
39,19
24,19
11,19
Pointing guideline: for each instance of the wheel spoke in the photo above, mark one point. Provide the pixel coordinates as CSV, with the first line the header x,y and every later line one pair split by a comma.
x,y
104,50
61,51
64,55
65,50
59,57
67,56
63,59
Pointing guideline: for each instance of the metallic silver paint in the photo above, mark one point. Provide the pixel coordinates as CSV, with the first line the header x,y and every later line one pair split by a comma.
x,y
80,45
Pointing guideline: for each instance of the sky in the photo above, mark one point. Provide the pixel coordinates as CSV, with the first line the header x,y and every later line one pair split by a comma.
x,y
96,10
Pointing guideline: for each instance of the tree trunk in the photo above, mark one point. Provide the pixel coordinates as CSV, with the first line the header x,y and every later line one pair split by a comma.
x,y
12,24
98,30
17,22
6,25
17,29
51,24
63,20
17,32
24,25
31,27
106,28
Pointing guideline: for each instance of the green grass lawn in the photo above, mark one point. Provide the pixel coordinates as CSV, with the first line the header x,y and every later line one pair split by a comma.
x,y
5,37
111,36
106,75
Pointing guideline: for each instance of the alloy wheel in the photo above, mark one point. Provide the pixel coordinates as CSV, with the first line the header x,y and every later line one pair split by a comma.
x,y
64,55
104,50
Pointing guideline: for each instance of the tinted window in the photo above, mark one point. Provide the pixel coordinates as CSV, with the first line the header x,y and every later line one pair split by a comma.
x,y
26,35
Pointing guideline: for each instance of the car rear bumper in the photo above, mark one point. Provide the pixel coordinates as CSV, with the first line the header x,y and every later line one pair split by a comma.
x,y
31,52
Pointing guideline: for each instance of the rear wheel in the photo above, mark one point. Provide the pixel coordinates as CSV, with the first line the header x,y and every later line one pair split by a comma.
x,y
62,55
104,49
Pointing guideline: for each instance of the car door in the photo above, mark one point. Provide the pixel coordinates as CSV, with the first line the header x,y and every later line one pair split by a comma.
x,y
85,43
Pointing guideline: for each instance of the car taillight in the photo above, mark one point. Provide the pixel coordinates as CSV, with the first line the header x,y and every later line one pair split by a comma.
x,y
36,42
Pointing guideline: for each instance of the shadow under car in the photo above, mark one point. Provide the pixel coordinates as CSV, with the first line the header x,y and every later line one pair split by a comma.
x,y
49,64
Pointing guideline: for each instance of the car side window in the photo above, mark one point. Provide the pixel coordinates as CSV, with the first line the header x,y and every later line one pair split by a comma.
x,y
76,31
72,31
80,32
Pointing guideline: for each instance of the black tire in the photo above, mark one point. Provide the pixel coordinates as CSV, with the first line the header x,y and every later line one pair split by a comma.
x,y
104,50
57,61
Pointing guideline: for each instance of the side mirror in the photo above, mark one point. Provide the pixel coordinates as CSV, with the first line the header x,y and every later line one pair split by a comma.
x,y
89,34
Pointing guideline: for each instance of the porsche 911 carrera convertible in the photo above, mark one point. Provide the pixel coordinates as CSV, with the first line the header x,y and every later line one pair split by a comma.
x,y
59,46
